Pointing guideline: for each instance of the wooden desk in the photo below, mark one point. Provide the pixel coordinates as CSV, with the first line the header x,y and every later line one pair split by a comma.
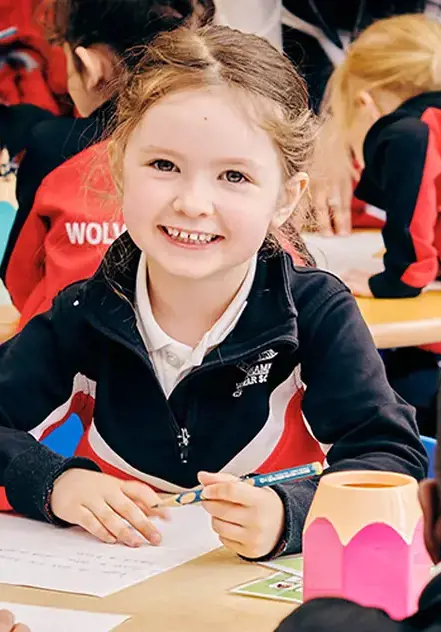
x,y
392,322
403,322
193,597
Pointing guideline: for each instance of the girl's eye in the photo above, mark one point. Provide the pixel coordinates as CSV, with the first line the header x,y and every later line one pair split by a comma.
x,y
235,177
163,165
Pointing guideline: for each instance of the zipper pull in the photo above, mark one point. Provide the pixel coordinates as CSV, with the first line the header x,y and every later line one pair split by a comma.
x,y
184,444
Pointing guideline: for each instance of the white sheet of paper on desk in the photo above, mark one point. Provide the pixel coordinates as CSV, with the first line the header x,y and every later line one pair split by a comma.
x,y
362,250
56,620
339,254
70,560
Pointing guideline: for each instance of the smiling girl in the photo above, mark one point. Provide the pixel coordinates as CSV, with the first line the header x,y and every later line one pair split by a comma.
x,y
199,352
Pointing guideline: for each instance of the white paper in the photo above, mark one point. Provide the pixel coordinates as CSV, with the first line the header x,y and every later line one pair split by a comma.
x,y
360,250
56,620
70,560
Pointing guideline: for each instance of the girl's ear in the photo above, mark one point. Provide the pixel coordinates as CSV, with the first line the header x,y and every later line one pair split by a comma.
x,y
294,189
97,66
365,101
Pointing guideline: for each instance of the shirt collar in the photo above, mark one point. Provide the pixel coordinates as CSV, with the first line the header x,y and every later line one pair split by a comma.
x,y
158,339
229,318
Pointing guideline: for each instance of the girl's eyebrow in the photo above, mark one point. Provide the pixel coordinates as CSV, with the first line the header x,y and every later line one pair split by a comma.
x,y
230,160
236,160
153,149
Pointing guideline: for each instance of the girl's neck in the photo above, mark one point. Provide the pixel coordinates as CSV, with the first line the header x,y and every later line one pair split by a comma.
x,y
185,308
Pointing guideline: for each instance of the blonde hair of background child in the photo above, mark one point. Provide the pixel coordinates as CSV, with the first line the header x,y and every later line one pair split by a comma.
x,y
263,79
400,54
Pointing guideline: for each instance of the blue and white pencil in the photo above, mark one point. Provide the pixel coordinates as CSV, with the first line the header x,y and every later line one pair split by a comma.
x,y
258,480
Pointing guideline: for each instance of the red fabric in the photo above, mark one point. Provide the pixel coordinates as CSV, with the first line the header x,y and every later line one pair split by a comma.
x,y
296,446
361,218
83,405
425,227
41,78
74,219
298,260
4,503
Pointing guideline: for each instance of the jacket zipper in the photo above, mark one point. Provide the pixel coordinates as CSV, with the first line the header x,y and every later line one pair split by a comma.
x,y
182,434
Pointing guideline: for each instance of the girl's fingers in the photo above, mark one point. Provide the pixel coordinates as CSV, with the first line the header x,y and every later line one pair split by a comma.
x,y
6,621
228,512
210,478
163,513
116,525
343,220
323,217
237,547
340,204
145,498
229,531
129,510
89,522
237,492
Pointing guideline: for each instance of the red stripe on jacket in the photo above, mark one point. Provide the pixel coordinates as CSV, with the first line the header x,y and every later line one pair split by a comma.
x,y
296,445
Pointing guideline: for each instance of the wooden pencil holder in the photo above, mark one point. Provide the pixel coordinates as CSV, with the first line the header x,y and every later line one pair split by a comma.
x,y
363,540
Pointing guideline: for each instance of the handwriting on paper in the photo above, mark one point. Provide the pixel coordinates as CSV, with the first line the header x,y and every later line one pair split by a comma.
x,y
41,555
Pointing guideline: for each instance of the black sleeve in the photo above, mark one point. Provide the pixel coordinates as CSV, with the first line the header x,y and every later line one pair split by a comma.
x,y
50,141
41,157
405,165
339,615
36,376
349,405
16,123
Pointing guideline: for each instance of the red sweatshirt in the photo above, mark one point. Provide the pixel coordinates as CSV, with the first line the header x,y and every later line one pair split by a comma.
x,y
68,211
73,220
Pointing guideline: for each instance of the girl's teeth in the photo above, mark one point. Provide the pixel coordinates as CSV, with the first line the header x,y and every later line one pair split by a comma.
x,y
182,235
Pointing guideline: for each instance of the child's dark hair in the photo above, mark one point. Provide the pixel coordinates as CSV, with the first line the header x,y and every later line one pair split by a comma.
x,y
121,24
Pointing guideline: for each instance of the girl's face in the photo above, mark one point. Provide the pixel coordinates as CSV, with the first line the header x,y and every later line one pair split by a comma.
x,y
202,185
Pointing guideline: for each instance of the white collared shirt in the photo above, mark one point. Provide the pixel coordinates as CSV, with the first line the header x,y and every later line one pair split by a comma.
x,y
172,360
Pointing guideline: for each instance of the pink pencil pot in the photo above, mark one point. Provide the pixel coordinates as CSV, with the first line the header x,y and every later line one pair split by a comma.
x,y
363,540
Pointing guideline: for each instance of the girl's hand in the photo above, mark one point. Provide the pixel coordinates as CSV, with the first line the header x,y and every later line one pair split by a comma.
x,y
331,183
7,623
249,520
110,509
358,282
332,206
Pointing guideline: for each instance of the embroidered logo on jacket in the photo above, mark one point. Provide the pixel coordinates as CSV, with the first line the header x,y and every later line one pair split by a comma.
x,y
257,372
